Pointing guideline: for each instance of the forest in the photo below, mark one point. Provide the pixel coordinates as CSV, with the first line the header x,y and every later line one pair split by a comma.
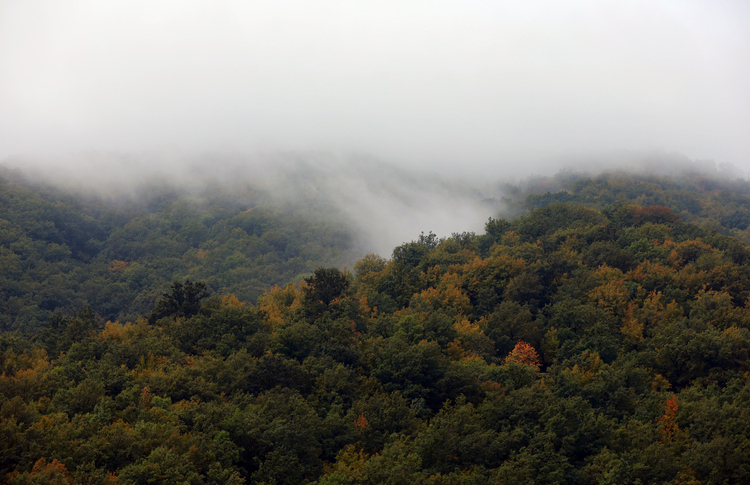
x,y
597,331
64,251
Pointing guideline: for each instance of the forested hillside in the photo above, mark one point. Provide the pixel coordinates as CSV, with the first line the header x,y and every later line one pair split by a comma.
x,y
717,202
64,251
570,345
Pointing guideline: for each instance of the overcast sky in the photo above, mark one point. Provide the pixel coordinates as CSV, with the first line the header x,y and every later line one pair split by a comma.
x,y
441,84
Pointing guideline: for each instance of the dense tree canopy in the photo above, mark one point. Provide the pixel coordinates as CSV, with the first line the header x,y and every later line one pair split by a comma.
x,y
63,252
569,345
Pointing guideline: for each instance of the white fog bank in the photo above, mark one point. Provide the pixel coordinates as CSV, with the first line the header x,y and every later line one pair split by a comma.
x,y
385,204
451,87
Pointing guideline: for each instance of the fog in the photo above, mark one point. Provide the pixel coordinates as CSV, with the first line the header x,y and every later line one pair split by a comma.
x,y
406,116
383,205
447,86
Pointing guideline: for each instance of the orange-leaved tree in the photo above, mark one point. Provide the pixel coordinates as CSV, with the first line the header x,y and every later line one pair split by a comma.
x,y
668,422
523,354
361,423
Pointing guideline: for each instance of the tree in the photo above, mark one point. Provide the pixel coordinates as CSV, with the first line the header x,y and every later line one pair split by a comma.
x,y
183,301
523,354
667,423
324,287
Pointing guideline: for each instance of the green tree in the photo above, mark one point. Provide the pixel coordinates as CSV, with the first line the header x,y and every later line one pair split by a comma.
x,y
183,301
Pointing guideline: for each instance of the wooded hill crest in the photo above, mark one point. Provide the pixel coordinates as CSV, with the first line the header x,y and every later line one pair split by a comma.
x,y
568,345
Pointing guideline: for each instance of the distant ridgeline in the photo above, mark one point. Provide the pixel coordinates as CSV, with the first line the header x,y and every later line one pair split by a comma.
x,y
719,203
570,345
63,251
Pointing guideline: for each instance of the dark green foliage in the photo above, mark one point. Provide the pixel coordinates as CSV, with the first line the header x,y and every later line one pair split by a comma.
x,y
183,301
61,251
721,203
570,345
549,219
323,287
495,228
61,332
738,219
600,252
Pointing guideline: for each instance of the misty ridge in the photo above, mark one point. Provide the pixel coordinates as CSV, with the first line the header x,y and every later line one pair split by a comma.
x,y
389,242
383,204
191,317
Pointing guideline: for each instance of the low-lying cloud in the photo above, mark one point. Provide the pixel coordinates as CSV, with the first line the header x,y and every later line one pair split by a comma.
x,y
384,205
404,116
451,87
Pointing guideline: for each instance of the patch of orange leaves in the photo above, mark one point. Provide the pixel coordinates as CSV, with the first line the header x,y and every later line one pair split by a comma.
x,y
523,354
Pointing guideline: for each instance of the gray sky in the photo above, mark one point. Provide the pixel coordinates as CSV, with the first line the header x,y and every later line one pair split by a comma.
x,y
469,84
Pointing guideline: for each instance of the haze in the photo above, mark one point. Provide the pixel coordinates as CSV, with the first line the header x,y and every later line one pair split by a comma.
x,y
371,105
455,87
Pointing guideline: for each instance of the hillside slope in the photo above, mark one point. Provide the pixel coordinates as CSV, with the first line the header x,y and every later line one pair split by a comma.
x,y
720,203
570,345
64,251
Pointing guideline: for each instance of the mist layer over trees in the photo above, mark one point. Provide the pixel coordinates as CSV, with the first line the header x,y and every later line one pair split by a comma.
x,y
241,226
210,276
205,329
570,344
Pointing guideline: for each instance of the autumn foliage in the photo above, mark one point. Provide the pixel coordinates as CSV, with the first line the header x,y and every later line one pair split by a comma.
x,y
361,423
655,214
667,423
423,368
523,354
51,473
